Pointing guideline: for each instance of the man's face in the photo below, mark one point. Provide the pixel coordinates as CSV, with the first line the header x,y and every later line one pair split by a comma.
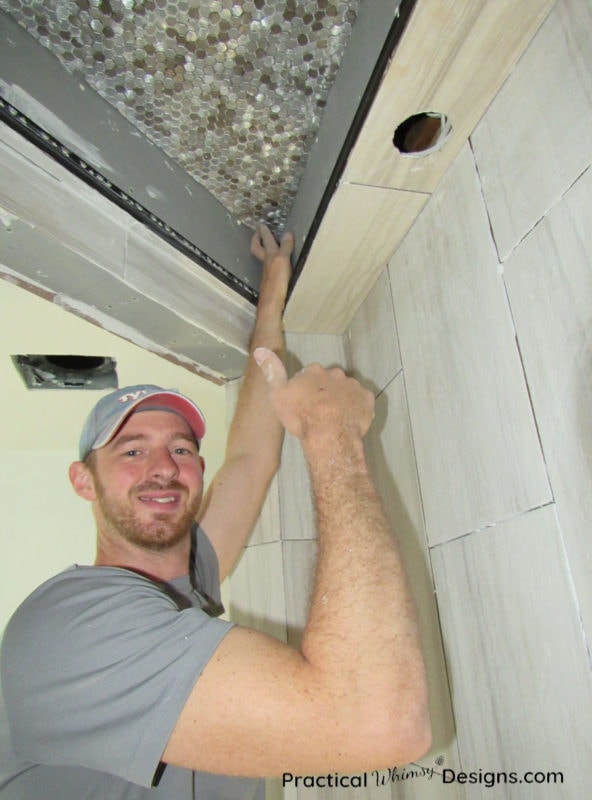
x,y
148,481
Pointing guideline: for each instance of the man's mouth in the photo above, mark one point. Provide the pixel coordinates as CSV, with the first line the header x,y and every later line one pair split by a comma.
x,y
160,499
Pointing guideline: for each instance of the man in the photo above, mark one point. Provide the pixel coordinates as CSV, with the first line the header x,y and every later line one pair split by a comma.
x,y
120,682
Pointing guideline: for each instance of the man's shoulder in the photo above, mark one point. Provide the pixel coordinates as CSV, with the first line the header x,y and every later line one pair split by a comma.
x,y
88,582
78,598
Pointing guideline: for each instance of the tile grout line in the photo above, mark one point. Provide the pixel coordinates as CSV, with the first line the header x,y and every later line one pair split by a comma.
x,y
490,525
513,322
573,590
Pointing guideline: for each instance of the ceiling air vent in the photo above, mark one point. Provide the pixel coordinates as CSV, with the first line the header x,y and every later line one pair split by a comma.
x,y
67,372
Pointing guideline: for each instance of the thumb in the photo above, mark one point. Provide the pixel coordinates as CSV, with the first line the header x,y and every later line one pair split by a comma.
x,y
271,366
287,244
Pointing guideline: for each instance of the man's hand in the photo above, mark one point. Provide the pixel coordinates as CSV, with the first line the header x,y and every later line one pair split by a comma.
x,y
274,257
316,403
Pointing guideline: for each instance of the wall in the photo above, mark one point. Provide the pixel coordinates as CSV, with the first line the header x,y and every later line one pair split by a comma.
x,y
477,341
492,294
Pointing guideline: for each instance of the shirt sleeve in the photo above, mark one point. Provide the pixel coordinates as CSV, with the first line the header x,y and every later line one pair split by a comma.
x,y
96,667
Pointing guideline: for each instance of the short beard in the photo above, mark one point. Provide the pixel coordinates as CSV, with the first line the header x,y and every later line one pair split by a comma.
x,y
161,534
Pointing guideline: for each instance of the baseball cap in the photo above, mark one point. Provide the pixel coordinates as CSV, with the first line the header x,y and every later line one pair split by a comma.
x,y
111,411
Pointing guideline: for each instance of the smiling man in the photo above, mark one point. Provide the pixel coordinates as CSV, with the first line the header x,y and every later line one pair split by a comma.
x,y
119,680
140,467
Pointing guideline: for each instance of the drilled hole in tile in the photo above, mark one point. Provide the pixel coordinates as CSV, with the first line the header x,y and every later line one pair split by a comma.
x,y
422,133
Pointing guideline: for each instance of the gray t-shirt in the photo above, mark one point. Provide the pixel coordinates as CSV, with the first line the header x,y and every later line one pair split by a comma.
x,y
96,666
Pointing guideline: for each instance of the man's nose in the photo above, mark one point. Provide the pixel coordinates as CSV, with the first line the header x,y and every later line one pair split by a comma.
x,y
163,465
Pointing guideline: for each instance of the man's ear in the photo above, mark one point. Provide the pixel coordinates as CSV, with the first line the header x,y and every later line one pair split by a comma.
x,y
203,464
82,481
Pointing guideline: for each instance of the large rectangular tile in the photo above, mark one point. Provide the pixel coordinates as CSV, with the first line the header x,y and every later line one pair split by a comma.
x,y
42,193
257,590
371,338
478,454
521,682
535,138
549,280
391,457
306,348
452,59
361,229
172,279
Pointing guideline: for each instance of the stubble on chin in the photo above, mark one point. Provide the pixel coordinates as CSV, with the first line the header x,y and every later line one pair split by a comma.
x,y
159,533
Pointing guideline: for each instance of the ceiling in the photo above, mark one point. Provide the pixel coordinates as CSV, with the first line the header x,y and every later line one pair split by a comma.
x,y
142,139
233,92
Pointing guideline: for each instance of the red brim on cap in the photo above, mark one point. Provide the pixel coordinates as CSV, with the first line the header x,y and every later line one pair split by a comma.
x,y
160,401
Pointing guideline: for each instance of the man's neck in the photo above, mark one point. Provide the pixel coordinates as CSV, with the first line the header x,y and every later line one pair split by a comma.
x,y
158,565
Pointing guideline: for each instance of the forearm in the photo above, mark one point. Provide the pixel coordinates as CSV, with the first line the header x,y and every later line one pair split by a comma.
x,y
255,429
362,624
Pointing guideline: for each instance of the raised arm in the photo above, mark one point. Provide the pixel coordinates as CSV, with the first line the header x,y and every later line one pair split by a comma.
x,y
354,698
237,492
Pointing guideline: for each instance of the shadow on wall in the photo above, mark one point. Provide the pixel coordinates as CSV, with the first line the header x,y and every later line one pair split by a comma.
x,y
391,432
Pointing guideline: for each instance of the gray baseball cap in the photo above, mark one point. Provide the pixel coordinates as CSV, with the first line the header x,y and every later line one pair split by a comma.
x,y
111,411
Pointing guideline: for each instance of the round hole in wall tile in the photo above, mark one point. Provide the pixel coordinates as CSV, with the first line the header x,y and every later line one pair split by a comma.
x,y
421,134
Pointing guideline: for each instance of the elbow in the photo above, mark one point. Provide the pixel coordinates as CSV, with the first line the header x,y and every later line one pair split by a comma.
x,y
407,740
418,739
411,717
402,732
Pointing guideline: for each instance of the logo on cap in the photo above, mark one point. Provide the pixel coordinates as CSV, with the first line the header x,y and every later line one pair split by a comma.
x,y
125,398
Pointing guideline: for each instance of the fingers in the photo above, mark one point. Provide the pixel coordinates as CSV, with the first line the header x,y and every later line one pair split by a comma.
x,y
271,366
257,248
263,243
316,402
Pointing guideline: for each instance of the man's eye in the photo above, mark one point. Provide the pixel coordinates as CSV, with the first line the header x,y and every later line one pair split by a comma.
x,y
132,452
182,451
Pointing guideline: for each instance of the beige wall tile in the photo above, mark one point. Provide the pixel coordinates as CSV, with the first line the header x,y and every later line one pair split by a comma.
x,y
257,590
298,519
268,526
549,280
452,58
361,229
371,339
478,455
535,138
306,348
521,682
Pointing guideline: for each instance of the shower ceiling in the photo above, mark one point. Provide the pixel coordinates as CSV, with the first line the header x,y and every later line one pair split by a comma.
x,y
233,92
199,117
165,106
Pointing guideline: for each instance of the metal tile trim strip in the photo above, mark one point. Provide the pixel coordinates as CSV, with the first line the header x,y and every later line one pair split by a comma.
x,y
83,170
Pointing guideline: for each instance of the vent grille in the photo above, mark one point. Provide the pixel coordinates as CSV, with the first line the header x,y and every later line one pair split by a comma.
x,y
67,371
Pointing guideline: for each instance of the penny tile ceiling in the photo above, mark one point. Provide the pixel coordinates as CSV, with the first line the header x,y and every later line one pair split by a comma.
x,y
233,92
